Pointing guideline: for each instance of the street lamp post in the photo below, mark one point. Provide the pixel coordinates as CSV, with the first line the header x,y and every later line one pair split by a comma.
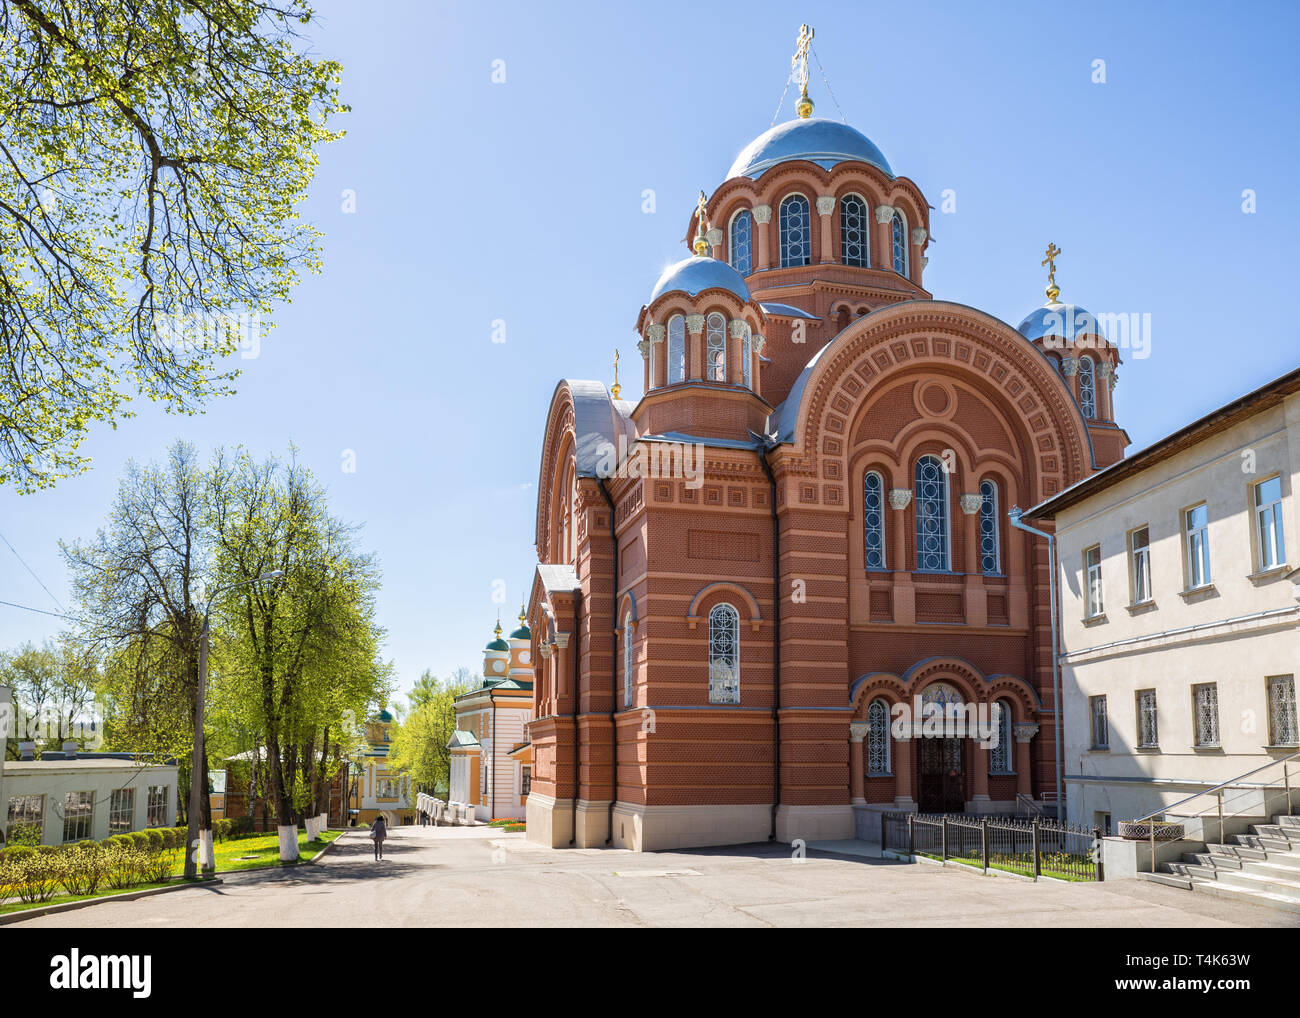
x,y
200,841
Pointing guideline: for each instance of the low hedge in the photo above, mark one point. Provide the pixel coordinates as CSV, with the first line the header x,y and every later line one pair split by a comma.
x,y
35,874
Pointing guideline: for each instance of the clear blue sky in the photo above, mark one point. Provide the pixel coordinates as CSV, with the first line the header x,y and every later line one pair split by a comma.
x,y
522,201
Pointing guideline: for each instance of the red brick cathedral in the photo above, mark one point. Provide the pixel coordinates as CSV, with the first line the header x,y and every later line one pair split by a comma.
x,y
802,523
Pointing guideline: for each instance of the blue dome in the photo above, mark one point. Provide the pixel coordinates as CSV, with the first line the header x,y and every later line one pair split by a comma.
x,y
1065,320
824,142
696,274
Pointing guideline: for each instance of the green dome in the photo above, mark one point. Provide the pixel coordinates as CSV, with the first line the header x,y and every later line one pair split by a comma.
x,y
498,644
384,717
522,633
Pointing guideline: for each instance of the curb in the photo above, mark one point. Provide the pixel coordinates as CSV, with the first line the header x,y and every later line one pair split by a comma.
x,y
72,906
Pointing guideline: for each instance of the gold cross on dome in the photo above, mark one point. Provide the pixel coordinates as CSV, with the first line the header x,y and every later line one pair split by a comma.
x,y
701,225
799,69
1053,291
615,389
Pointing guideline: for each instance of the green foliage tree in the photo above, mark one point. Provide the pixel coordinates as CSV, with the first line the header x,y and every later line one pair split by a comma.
x,y
419,743
152,156
54,688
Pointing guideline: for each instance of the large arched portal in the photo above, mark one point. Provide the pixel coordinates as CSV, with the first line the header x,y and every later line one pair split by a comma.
x,y
941,751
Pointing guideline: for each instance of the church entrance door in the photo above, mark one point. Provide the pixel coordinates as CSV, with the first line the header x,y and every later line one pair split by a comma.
x,y
940,786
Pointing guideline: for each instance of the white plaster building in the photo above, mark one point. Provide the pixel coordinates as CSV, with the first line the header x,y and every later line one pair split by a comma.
x,y
1180,610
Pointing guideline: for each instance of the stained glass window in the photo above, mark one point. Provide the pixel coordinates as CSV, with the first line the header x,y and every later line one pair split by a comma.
x,y
1281,711
740,231
676,349
931,515
1088,388
854,245
878,738
724,654
796,233
715,355
629,660
990,550
1205,700
899,231
873,515
747,357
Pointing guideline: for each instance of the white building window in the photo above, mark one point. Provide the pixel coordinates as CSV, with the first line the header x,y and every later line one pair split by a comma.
x,y
990,545
676,349
873,519
26,819
796,233
121,811
878,739
78,815
715,351
1099,721
931,515
854,245
1148,730
1196,527
1140,564
1268,522
157,811
1000,755
741,228
1092,574
1205,702
1282,729
899,237
724,654
1088,388
629,660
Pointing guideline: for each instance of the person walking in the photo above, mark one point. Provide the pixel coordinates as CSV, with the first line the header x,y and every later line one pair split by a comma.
x,y
379,831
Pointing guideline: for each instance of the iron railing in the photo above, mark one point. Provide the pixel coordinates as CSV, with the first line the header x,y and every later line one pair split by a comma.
x,y
1035,848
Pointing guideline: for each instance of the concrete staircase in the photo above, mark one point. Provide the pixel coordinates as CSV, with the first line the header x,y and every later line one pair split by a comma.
x,y
1262,867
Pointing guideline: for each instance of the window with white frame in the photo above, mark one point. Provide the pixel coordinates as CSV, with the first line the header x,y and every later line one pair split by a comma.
x,y
1147,727
715,348
78,815
1140,564
1282,729
724,654
741,228
796,231
121,811
873,519
1100,724
898,232
25,819
156,815
1000,754
629,660
676,349
1268,523
878,739
1196,530
1205,704
854,245
747,356
931,515
1088,387
990,545
1092,576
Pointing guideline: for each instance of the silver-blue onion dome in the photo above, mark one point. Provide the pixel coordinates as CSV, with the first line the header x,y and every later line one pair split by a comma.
x,y
696,274
1066,321
824,142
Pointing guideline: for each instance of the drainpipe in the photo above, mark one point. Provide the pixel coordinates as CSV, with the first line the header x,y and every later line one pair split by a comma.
x,y
1015,516
577,770
765,444
613,673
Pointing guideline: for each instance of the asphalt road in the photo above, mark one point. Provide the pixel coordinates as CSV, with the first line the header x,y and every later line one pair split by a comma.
x,y
479,877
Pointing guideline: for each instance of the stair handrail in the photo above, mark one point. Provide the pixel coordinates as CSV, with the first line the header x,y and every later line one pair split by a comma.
x,y
1217,790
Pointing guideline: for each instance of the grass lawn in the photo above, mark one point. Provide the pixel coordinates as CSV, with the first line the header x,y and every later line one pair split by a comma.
x,y
61,899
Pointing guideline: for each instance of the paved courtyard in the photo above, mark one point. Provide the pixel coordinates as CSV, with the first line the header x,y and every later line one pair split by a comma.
x,y
479,877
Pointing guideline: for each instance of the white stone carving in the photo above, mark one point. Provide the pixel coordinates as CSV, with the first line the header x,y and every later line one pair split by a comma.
x,y
694,324
858,731
884,213
900,498
762,214
970,504
825,204
1024,730
655,333
714,237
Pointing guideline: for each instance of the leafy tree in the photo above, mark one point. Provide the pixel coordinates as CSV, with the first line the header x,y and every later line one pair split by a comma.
x,y
53,685
152,156
419,743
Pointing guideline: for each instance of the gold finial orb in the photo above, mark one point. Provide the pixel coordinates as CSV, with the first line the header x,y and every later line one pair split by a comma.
x,y
497,631
804,107
1053,291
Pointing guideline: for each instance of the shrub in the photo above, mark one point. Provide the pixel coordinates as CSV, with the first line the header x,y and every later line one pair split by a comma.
x,y
124,865
80,869
19,851
34,878
156,840
140,839
25,834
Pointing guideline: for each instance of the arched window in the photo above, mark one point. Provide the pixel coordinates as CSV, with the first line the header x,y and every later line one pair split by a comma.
x,y
854,246
654,359
715,354
873,518
1000,754
740,230
724,654
990,545
747,356
931,515
878,739
629,660
900,243
676,349
1088,388
796,232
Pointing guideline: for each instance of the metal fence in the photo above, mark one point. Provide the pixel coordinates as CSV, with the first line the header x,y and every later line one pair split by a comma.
x,y
1031,848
